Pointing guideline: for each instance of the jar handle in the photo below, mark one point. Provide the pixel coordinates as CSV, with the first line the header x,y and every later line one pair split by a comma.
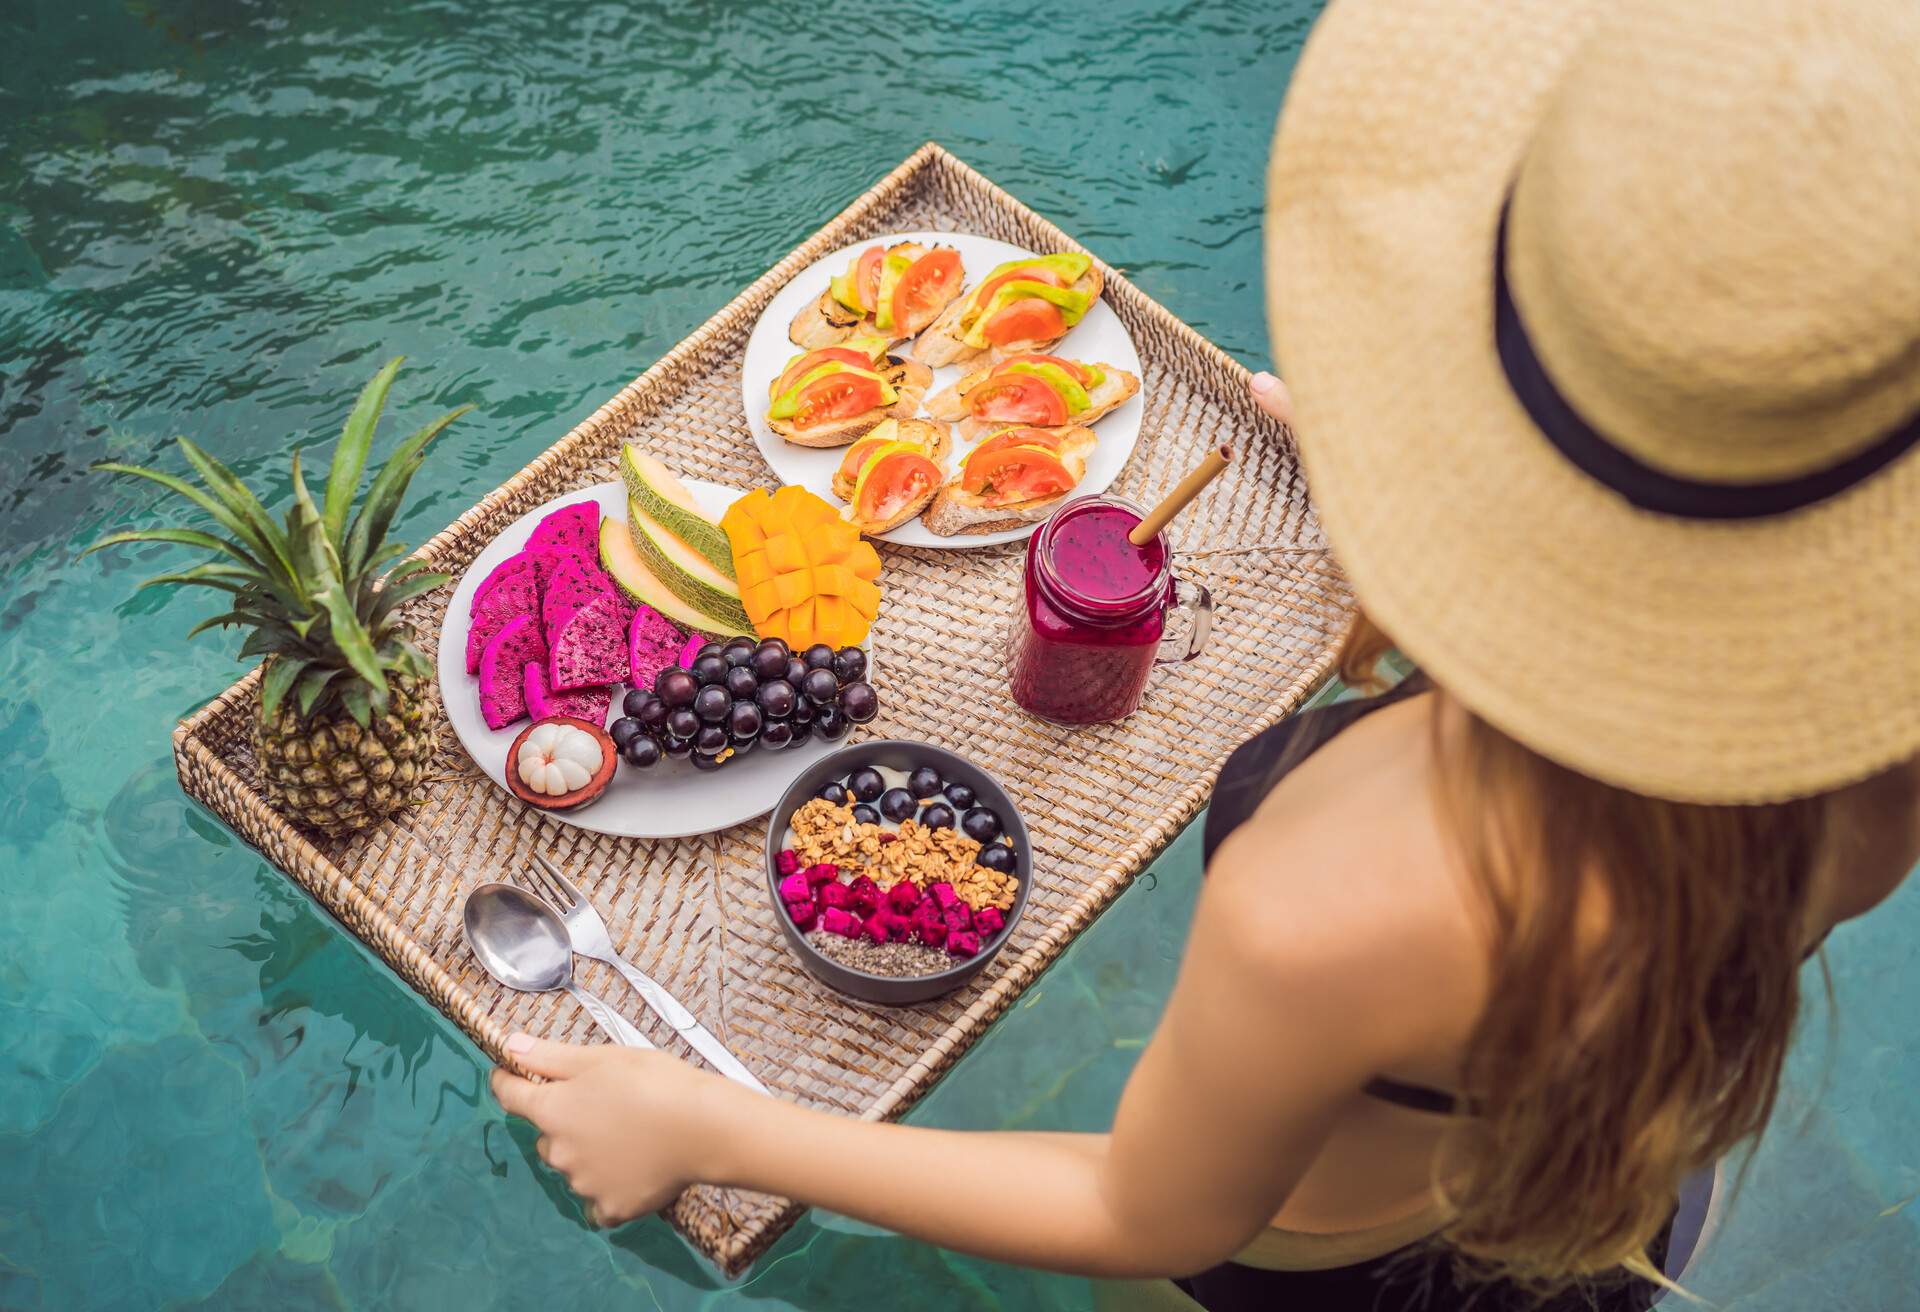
x,y
1198,603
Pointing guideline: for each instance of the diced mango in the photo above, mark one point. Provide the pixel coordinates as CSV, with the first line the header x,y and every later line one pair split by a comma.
x,y
786,552
863,560
800,625
864,597
830,616
751,568
805,573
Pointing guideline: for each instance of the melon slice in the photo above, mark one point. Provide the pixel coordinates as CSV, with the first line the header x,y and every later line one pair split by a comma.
x,y
590,647
503,697
689,574
572,527
582,703
512,596
637,582
659,492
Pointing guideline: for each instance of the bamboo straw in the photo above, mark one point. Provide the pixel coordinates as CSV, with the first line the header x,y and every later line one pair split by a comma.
x,y
1176,501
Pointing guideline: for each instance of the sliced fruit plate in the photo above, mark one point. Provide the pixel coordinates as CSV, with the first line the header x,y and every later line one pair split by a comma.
x,y
617,607
898,382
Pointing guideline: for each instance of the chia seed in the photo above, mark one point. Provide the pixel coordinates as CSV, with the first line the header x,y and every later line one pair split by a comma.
x,y
895,960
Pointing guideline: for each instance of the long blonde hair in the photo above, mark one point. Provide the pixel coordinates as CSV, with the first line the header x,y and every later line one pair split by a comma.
x,y
1644,985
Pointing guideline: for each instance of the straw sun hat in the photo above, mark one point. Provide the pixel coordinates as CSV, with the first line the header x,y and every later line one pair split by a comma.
x,y
1603,326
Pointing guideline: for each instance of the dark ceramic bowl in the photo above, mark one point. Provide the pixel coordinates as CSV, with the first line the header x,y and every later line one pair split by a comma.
x,y
897,755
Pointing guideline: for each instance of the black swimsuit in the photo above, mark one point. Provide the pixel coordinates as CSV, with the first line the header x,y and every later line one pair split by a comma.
x,y
1420,1277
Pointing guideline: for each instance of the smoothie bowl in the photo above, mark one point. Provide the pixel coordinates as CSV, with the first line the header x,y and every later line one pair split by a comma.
x,y
897,869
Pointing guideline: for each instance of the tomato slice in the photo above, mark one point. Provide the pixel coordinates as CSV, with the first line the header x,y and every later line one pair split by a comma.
x,y
1044,438
924,290
856,456
1017,399
866,277
838,396
1038,273
1031,320
1079,372
1015,473
814,359
890,482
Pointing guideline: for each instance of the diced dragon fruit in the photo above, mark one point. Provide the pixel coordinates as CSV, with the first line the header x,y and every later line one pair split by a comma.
x,y
987,922
863,895
804,914
943,894
833,896
795,888
836,920
787,862
903,897
964,943
824,873
958,917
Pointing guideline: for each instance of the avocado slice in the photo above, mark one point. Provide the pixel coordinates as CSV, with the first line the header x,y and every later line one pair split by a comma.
x,y
1073,305
892,269
1058,379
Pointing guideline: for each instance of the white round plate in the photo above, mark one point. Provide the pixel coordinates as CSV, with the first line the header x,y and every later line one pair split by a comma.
x,y
671,800
1100,337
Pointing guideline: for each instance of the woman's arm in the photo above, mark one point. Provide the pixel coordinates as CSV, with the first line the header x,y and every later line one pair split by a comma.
x,y
1269,1028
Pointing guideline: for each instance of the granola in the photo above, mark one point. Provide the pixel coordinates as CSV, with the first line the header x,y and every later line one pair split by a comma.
x,y
824,833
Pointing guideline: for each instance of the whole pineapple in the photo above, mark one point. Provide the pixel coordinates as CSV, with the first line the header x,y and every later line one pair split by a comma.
x,y
347,712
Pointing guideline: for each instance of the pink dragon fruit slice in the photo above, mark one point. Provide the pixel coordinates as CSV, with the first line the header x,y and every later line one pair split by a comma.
x,y
589,704
503,696
516,564
590,648
514,595
575,581
575,527
653,645
690,649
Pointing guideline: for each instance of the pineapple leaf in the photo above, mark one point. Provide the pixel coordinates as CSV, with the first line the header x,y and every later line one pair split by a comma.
x,y
350,456
270,641
227,486
351,637
179,537
237,582
279,676
312,684
221,515
389,487
355,698
392,594
225,619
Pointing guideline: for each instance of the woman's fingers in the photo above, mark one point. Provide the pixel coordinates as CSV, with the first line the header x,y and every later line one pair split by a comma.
x,y
556,1061
1271,395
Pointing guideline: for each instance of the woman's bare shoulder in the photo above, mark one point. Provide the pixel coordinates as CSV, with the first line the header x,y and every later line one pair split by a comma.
x,y
1344,870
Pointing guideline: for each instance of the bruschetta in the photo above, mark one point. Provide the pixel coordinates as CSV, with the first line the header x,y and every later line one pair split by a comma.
x,y
1022,307
890,475
892,292
830,396
1017,476
1044,391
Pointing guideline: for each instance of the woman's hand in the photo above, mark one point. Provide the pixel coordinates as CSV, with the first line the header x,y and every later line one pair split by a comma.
x,y
629,1128
1271,395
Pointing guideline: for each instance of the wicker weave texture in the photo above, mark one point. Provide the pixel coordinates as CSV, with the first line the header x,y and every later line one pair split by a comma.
x,y
693,912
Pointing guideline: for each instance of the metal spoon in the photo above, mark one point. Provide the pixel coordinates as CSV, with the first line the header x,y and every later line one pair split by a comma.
x,y
523,944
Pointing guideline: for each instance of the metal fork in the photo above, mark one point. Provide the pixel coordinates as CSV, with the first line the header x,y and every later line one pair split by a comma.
x,y
588,933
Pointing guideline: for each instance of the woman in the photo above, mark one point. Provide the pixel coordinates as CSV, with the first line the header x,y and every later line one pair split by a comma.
x,y
1606,340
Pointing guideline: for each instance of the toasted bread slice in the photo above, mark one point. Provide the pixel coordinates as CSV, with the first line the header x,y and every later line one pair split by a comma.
x,y
932,442
954,511
910,382
933,437
950,403
941,344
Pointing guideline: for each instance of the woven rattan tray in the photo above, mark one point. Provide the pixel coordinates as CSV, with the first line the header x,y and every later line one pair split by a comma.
x,y
693,912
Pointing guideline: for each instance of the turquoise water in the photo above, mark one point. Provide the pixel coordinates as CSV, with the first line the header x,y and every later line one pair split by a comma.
x,y
216,219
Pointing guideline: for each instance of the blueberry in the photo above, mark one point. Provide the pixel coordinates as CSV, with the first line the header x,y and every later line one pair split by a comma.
x,y
682,723
642,752
741,683
624,730
897,804
776,734
711,739
866,784
997,856
980,824
860,702
676,687
710,669
865,815
924,782
834,792
849,664
830,722
937,815
960,795
712,704
818,657
821,686
636,701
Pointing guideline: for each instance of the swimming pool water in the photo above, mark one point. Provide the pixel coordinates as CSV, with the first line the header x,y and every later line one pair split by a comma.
x,y
216,219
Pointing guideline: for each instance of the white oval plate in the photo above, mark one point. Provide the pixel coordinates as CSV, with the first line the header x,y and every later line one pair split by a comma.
x,y
1100,337
671,800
